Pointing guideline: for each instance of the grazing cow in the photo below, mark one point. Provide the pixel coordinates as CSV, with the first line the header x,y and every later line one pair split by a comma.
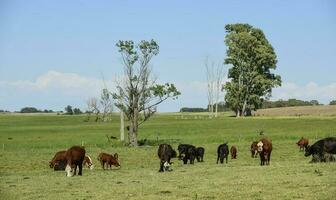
x,y
165,153
254,149
200,154
321,147
88,162
303,143
109,160
187,152
75,157
222,152
265,150
233,151
57,159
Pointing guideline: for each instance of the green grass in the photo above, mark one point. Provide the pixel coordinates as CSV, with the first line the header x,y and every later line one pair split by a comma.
x,y
28,142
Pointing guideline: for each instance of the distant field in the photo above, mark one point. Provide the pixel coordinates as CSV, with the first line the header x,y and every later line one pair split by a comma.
x,y
327,110
28,142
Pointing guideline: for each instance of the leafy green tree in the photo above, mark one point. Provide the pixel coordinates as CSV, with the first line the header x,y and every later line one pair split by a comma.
x,y
138,95
29,110
68,110
333,102
77,111
251,59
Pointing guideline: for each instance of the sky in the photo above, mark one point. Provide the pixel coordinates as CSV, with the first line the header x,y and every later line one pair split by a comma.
x,y
57,53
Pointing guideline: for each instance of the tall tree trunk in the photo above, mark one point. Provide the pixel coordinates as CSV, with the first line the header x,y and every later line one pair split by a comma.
x,y
122,127
238,113
216,109
244,108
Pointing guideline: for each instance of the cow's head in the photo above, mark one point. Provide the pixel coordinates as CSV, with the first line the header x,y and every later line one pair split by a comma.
x,y
88,162
115,161
260,146
51,165
69,171
166,166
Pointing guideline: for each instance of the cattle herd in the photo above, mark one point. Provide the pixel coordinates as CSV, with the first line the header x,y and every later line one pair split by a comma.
x,y
74,157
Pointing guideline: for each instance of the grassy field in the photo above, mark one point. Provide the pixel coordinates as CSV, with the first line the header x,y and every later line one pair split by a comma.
x,y
28,142
326,110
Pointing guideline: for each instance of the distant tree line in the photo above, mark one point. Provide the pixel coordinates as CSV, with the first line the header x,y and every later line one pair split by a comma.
x,y
289,103
34,110
266,104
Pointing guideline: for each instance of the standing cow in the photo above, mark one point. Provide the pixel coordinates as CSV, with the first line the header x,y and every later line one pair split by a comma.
x,y
222,152
254,149
200,154
303,143
233,152
75,157
187,152
321,147
264,150
165,153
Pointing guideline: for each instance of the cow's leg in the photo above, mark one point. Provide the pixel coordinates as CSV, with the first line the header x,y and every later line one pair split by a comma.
x,y
221,159
226,158
161,166
217,158
102,164
185,160
201,158
80,168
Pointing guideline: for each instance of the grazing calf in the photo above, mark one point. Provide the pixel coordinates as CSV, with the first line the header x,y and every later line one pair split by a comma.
x,y
75,157
109,160
320,148
222,152
303,143
165,153
200,154
265,150
233,151
254,149
57,159
187,152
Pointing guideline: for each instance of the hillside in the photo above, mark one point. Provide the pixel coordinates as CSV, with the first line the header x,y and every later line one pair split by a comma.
x,y
327,110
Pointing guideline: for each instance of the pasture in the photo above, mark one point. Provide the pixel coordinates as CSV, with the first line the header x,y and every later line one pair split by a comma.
x,y
28,142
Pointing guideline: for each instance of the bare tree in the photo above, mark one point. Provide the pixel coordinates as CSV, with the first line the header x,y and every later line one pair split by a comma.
x,y
106,104
219,76
209,67
140,95
93,108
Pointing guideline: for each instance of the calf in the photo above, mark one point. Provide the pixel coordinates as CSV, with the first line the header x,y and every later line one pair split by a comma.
x,y
75,157
199,154
187,152
109,160
321,147
165,153
233,152
58,158
88,162
265,150
303,143
254,149
222,152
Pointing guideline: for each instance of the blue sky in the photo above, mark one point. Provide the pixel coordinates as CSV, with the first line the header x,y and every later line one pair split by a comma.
x,y
52,53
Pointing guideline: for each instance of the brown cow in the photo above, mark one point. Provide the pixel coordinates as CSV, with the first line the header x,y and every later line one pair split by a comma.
x,y
165,154
265,150
75,157
59,157
233,152
88,162
254,149
109,160
303,143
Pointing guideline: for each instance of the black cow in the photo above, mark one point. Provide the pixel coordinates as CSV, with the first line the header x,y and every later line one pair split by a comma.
x,y
187,152
222,152
320,148
199,154
165,153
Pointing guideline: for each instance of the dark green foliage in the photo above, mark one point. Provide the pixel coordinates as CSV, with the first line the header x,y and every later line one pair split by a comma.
x,y
29,110
77,111
68,110
288,103
251,58
186,109
333,102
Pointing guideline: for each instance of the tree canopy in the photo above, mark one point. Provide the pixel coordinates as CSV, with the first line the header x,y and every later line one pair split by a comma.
x,y
251,59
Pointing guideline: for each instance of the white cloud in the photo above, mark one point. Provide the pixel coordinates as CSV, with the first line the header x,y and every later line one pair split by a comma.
x,y
310,91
